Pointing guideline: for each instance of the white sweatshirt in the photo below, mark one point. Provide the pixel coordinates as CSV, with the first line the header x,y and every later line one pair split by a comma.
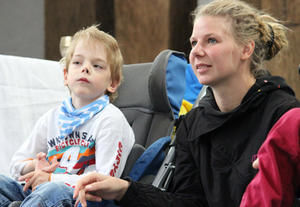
x,y
102,144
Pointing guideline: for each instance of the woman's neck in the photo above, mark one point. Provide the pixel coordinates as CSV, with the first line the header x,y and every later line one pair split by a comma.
x,y
230,95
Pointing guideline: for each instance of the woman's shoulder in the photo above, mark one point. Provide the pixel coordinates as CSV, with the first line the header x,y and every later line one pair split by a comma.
x,y
283,97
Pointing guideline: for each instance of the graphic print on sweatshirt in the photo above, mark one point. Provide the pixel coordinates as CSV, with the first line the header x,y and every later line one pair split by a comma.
x,y
75,152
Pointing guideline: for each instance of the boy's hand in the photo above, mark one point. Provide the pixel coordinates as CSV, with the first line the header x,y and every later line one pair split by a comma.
x,y
41,174
44,165
34,179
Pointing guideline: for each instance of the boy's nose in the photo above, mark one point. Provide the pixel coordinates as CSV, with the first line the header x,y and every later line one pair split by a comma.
x,y
85,69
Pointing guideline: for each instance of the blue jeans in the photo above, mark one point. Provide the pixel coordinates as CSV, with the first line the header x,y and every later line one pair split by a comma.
x,y
54,194
51,194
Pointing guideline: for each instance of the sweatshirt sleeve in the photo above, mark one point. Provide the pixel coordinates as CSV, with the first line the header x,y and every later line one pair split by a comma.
x,y
113,145
279,165
35,143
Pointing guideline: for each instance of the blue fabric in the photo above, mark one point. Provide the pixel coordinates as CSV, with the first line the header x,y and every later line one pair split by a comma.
x,y
193,86
150,161
175,81
47,194
10,191
71,118
50,194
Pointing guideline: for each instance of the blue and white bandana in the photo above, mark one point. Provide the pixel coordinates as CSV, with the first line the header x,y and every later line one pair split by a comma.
x,y
71,118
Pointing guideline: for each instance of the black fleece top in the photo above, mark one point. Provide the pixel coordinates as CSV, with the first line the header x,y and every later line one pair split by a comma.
x,y
214,149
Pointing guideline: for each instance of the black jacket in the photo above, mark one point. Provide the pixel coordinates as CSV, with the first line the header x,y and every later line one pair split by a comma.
x,y
214,149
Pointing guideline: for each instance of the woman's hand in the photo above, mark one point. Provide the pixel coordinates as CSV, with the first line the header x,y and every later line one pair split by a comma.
x,y
95,187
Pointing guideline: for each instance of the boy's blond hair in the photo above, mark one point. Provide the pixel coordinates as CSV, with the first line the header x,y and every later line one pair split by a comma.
x,y
114,55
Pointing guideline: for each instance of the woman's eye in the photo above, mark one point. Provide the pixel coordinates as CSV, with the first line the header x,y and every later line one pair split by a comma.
x,y
212,40
193,43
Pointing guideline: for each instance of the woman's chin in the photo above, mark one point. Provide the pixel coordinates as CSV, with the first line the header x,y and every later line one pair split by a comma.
x,y
205,81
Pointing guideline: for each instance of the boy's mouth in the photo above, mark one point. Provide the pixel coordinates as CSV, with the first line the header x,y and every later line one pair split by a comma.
x,y
84,80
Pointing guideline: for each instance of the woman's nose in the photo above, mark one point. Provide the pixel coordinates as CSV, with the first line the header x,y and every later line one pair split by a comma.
x,y
198,50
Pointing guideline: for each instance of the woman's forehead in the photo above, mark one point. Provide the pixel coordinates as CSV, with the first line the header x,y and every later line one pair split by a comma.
x,y
205,25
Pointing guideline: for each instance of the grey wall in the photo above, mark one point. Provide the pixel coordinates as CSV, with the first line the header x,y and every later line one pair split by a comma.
x,y
200,2
22,28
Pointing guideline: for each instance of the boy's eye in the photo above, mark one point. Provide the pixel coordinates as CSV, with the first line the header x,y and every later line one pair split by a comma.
x,y
98,67
212,40
76,62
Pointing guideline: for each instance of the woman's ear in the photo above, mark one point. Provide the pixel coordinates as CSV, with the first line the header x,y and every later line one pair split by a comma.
x,y
65,76
248,50
113,86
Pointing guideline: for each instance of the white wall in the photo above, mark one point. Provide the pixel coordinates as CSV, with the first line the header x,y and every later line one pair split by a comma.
x,y
22,28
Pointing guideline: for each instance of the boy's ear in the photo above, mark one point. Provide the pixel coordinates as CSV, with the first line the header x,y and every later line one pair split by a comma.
x,y
113,86
248,50
65,77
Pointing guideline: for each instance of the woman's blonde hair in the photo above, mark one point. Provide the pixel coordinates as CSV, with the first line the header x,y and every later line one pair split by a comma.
x,y
249,24
114,55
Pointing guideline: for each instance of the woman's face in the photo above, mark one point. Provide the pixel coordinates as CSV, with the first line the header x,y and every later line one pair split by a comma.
x,y
215,56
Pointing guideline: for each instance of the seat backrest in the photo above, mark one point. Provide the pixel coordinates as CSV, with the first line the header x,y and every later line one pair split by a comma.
x,y
150,95
166,171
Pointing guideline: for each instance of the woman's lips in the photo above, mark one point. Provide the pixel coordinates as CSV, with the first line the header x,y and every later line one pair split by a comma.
x,y
201,68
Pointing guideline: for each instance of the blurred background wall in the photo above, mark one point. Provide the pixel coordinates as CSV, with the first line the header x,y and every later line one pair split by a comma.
x,y
143,28
22,28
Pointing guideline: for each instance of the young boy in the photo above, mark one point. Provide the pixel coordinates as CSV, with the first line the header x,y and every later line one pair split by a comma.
x,y
85,134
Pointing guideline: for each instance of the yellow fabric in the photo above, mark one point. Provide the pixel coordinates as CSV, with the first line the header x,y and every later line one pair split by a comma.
x,y
185,107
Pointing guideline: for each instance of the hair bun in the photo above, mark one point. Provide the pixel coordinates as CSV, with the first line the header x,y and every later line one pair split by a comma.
x,y
270,43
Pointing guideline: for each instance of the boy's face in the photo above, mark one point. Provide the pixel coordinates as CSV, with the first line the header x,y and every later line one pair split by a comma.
x,y
88,76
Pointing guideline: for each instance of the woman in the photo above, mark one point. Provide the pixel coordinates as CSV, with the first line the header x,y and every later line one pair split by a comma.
x,y
217,141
